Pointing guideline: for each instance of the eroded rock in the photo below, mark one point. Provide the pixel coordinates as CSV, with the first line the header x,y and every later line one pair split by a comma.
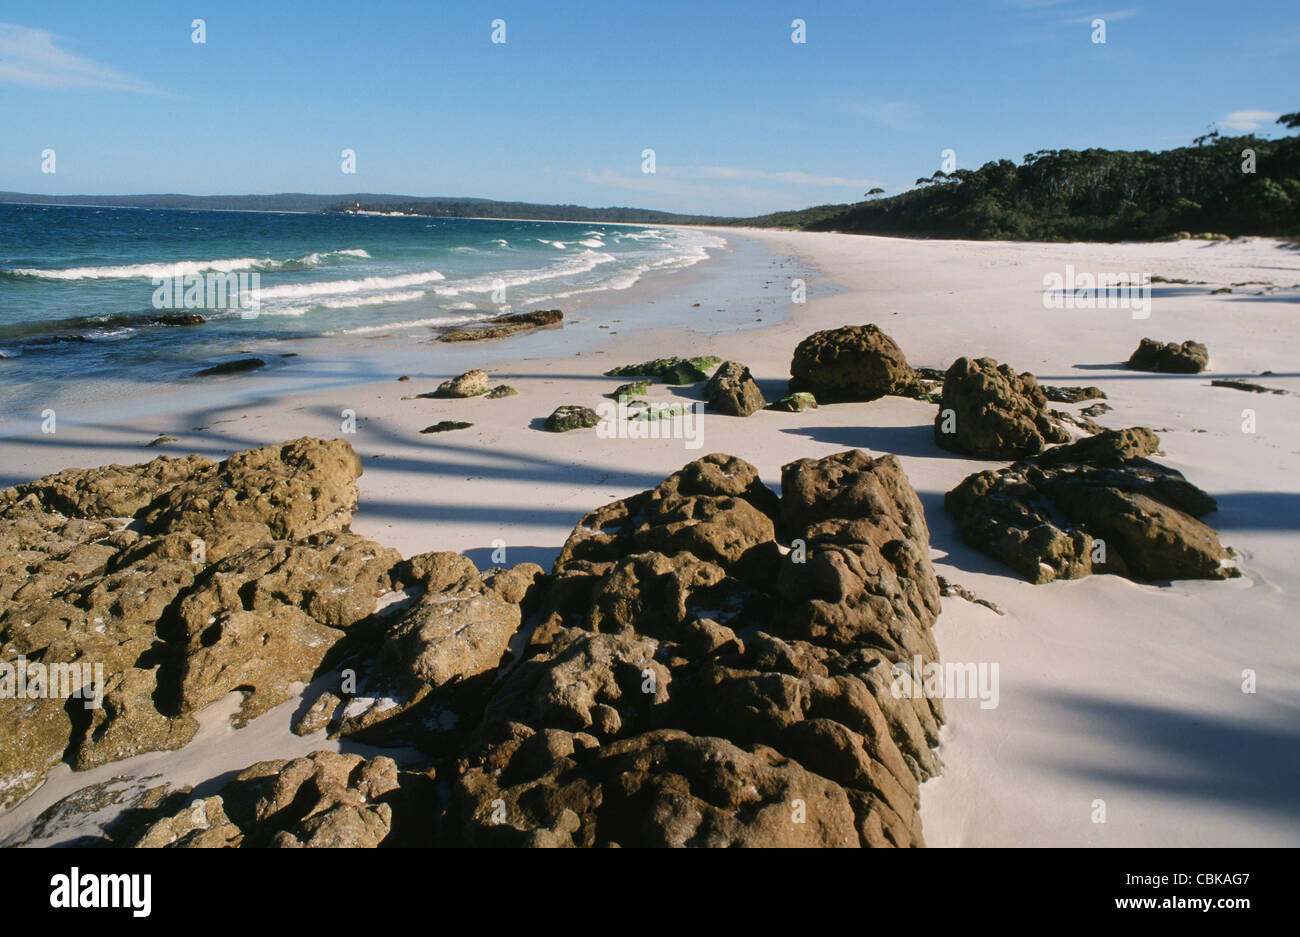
x,y
325,800
695,680
732,391
854,362
1096,506
501,326
235,576
470,384
989,411
1171,357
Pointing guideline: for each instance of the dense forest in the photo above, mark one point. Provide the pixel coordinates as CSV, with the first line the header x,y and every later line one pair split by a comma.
x,y
1216,185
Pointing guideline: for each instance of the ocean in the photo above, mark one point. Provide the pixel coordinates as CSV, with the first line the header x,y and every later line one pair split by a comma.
x,y
99,294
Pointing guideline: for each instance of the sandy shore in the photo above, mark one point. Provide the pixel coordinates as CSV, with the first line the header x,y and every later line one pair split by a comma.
x,y
1110,690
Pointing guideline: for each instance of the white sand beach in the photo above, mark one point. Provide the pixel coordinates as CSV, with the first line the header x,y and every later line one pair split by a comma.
x,y
1110,690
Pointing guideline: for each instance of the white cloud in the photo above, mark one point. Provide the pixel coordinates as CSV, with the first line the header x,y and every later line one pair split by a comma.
x,y
1248,120
32,57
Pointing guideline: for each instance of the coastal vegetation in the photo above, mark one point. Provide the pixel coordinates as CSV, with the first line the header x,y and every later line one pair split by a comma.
x,y
1243,185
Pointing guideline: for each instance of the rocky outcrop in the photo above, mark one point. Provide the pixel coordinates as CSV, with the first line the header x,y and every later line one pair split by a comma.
x,y
111,491
1186,358
989,411
325,800
421,666
709,663
283,492
470,384
181,580
732,391
451,635
854,362
713,666
1096,506
501,326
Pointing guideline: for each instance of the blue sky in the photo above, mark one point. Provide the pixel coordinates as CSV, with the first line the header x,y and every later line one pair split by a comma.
x,y
741,119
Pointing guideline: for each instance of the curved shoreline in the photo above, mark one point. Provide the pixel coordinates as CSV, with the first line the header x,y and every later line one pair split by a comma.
x,y
1111,690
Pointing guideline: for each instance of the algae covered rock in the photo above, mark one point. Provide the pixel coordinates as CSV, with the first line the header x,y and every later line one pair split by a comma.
x,y
570,417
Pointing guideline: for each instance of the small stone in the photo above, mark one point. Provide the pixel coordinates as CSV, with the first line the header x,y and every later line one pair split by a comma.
x,y
470,384
796,403
1072,394
446,426
635,389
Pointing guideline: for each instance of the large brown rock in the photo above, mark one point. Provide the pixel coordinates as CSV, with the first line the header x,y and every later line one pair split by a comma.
x,y
325,800
664,788
1095,506
265,618
111,491
694,681
232,577
867,578
129,723
35,734
1186,358
989,411
732,391
423,662
283,492
451,635
854,362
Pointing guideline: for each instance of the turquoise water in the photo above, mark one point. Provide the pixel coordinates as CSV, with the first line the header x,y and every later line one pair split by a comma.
x,y
80,297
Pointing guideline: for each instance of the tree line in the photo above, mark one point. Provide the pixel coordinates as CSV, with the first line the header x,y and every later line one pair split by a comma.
x,y
1240,185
